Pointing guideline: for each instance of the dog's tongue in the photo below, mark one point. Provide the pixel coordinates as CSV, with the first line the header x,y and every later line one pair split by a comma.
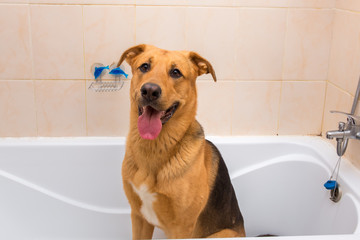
x,y
149,123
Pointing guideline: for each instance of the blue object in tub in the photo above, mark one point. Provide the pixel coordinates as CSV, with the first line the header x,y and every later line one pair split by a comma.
x,y
330,185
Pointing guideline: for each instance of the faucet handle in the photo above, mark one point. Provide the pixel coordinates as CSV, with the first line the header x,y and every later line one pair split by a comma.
x,y
342,126
353,118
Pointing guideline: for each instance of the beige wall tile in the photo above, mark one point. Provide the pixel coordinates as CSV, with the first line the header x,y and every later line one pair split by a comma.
x,y
353,152
266,3
226,3
108,113
57,1
60,108
17,109
14,1
353,5
112,2
108,32
161,2
215,105
301,107
163,27
261,3
312,3
344,67
57,40
15,57
307,46
260,44
256,108
211,33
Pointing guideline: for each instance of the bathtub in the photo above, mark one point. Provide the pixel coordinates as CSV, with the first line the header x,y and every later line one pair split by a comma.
x,y
71,188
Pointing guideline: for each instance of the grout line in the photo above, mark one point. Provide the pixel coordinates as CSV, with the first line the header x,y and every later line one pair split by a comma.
x,y
348,10
323,113
328,69
258,80
279,109
282,70
85,88
198,80
74,4
36,108
177,5
31,45
135,22
33,72
340,88
284,45
83,39
331,44
232,109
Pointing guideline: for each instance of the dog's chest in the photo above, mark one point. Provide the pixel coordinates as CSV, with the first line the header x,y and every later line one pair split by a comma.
x,y
147,199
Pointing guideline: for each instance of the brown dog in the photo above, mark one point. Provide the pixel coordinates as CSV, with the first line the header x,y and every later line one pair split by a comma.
x,y
174,179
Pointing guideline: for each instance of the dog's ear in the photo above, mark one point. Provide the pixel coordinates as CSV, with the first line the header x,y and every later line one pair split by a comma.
x,y
131,53
203,66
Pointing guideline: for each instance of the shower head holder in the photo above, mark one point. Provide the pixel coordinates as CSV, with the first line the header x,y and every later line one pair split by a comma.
x,y
116,74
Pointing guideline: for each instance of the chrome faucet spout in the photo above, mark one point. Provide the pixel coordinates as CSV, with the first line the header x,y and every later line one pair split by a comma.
x,y
338,134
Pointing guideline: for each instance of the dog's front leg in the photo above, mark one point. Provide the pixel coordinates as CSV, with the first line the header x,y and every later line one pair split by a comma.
x,y
141,229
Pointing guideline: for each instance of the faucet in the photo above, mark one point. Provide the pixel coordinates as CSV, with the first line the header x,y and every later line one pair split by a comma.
x,y
348,130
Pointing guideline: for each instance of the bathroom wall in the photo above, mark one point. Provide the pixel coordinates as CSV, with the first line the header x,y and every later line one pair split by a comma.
x,y
271,59
281,64
344,70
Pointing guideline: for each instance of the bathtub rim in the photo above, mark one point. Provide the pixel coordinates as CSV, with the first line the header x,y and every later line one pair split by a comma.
x,y
328,155
317,144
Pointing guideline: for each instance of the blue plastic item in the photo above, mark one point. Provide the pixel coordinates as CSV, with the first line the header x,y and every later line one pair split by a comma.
x,y
330,185
118,71
99,70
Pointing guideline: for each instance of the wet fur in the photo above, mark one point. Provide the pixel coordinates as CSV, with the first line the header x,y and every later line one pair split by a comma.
x,y
194,195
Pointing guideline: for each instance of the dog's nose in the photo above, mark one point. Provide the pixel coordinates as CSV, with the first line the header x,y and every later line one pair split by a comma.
x,y
150,91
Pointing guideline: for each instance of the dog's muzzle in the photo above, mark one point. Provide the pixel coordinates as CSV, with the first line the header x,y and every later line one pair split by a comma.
x,y
151,116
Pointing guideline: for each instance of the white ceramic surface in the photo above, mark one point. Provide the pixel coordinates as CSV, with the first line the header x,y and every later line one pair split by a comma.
x,y
71,188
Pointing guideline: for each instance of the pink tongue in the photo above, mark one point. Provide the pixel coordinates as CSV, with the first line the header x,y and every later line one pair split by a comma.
x,y
149,123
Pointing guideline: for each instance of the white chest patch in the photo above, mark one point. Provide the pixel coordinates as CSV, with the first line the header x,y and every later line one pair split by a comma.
x,y
147,199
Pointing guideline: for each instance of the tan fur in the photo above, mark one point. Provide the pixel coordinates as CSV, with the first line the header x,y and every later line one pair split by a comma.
x,y
177,166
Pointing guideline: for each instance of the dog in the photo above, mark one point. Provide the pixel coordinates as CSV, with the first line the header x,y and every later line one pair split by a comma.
x,y
173,178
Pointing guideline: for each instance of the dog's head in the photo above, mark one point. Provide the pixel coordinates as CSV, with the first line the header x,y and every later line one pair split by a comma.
x,y
163,88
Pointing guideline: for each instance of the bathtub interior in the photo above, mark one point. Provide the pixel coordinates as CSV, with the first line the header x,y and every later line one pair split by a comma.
x,y
279,187
73,189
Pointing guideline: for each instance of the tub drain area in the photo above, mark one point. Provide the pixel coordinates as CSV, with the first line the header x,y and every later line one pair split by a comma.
x,y
333,185
336,193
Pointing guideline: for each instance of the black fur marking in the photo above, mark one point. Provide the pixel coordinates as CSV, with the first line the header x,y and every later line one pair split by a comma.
x,y
222,210
199,134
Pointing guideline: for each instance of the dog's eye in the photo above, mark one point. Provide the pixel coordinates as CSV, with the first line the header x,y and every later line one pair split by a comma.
x,y
145,67
175,73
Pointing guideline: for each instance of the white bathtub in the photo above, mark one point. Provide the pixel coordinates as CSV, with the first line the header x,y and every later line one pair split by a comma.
x,y
70,188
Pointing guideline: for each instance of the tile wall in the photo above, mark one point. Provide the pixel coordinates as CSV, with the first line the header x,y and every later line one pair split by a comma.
x,y
281,64
344,70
